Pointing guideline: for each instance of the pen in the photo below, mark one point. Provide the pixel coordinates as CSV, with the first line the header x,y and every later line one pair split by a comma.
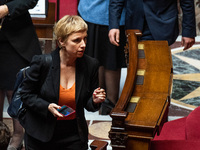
x,y
1,22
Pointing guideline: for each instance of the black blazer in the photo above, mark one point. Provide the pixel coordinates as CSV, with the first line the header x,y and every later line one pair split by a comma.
x,y
161,17
18,28
38,121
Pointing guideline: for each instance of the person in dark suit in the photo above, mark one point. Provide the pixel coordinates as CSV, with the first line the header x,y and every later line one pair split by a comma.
x,y
18,44
72,80
156,19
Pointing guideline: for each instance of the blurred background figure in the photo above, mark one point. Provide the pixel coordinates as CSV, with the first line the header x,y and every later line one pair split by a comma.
x,y
18,43
4,136
111,58
157,20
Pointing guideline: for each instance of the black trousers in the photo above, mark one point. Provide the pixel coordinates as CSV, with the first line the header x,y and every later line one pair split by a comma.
x,y
65,137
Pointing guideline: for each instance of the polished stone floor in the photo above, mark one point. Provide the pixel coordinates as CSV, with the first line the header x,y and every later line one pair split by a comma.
x,y
185,94
186,79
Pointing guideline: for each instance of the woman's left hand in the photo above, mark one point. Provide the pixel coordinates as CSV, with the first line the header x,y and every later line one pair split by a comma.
x,y
99,95
3,11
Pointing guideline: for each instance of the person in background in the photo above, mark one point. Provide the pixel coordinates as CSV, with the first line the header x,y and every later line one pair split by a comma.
x,y
72,80
18,44
4,136
156,19
111,58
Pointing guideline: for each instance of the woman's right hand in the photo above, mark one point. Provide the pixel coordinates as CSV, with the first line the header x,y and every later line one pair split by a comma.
x,y
114,35
53,109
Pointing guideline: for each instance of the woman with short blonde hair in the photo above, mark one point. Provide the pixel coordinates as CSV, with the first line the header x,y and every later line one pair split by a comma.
x,y
68,25
55,110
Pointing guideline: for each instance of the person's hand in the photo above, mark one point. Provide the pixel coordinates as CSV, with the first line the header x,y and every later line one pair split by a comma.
x,y
99,95
3,11
53,109
187,42
114,35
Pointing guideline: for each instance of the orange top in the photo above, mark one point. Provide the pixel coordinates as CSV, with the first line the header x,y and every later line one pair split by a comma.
x,y
67,97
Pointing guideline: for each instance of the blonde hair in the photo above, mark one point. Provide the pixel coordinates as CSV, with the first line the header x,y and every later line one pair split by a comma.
x,y
68,25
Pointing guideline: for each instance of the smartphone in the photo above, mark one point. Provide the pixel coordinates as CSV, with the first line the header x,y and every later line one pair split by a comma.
x,y
66,110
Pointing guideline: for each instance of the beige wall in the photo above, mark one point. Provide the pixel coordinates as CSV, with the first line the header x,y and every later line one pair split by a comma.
x,y
197,13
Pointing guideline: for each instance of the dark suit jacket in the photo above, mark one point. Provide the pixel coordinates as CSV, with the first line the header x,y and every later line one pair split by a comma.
x,y
161,17
18,28
38,121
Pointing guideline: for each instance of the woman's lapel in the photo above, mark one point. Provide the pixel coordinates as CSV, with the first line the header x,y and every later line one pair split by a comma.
x,y
55,70
80,70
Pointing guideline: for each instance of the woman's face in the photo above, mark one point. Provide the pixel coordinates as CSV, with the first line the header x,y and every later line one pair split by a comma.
x,y
75,44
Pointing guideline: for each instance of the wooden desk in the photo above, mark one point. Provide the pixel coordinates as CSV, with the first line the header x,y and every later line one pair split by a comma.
x,y
44,27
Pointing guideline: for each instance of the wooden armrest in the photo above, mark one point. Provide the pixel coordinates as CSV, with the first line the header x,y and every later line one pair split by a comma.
x,y
98,145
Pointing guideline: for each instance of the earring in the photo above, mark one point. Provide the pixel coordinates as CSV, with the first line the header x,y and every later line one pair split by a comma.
x,y
63,48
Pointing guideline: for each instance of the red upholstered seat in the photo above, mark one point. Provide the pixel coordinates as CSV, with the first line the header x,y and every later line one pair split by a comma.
x,y
66,7
175,145
173,130
180,134
192,127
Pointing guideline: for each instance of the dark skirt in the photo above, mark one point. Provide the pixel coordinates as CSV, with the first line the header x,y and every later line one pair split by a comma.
x,y
99,47
65,137
10,63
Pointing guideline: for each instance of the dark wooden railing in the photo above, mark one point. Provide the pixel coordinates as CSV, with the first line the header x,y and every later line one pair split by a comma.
x,y
143,105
